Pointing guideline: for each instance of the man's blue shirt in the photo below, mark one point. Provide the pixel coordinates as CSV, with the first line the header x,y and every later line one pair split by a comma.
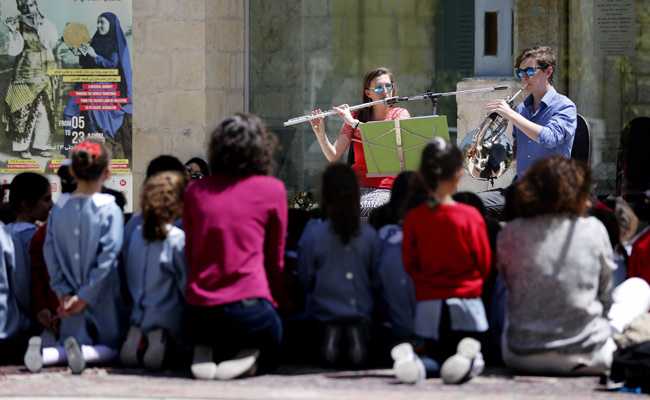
x,y
557,114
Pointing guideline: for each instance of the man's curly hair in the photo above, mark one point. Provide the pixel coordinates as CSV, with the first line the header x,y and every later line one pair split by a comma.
x,y
553,185
241,146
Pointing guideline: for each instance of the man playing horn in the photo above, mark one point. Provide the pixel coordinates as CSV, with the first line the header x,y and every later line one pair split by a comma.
x,y
544,124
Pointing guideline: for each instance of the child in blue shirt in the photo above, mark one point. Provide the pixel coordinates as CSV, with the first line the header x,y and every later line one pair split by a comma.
x,y
154,263
336,258
82,244
13,324
396,303
30,199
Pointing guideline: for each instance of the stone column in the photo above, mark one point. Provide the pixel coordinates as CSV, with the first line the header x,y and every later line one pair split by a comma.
x,y
188,74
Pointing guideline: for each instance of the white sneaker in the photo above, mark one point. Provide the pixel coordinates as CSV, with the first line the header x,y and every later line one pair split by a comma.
x,y
402,351
465,364
407,366
244,364
76,360
203,365
33,356
156,346
129,351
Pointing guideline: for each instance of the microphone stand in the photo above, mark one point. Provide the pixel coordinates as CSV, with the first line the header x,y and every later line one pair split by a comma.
x,y
434,97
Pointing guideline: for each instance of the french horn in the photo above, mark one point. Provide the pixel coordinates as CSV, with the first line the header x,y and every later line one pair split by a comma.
x,y
488,151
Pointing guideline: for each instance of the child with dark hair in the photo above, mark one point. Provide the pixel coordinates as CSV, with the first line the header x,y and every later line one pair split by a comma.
x,y
336,261
197,168
84,237
164,163
396,304
447,253
392,212
30,199
235,223
155,272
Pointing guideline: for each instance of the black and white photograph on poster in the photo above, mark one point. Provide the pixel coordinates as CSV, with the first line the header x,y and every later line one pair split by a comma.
x,y
65,75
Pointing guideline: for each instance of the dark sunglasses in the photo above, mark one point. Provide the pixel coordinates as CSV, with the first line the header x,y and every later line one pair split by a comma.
x,y
529,72
380,89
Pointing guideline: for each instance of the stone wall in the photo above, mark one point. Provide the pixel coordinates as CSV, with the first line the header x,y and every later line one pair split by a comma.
x,y
609,90
188,74
544,23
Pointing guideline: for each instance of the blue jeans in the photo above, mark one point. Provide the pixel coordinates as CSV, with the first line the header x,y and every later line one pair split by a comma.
x,y
229,328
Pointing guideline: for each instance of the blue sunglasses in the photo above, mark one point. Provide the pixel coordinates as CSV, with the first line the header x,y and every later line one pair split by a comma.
x,y
529,72
380,89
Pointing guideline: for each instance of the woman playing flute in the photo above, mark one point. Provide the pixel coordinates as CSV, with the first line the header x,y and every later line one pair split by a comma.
x,y
378,84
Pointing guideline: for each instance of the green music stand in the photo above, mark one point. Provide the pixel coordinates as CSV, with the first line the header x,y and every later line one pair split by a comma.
x,y
391,147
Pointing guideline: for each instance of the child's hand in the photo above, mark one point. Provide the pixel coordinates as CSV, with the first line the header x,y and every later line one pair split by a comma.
x,y
45,318
70,305
74,305
60,310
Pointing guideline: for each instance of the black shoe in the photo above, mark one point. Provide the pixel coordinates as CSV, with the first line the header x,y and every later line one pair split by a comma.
x,y
358,349
332,344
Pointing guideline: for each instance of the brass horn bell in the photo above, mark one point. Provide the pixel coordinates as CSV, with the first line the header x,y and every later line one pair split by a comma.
x,y
487,150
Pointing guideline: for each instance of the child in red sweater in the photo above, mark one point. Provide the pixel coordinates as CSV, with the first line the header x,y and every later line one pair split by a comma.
x,y
447,253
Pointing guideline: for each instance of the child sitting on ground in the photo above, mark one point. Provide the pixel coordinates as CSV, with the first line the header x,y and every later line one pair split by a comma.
x,y
31,200
396,294
83,240
154,263
336,258
14,324
447,253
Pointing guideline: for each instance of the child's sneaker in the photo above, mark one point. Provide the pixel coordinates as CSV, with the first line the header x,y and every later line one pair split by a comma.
x,y
244,364
408,367
33,356
156,345
76,360
130,347
203,365
465,364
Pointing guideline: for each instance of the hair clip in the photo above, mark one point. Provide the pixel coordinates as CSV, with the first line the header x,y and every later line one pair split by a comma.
x,y
92,148
439,143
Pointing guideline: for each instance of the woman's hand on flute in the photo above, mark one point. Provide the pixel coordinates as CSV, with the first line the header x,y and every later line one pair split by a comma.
x,y
344,112
318,124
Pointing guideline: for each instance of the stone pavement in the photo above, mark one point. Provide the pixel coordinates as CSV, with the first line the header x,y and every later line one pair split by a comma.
x,y
288,383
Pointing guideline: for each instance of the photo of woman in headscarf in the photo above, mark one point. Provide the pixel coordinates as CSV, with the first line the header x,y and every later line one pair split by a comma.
x,y
30,99
108,48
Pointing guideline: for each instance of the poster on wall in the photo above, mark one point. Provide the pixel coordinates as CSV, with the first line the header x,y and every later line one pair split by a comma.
x,y
65,75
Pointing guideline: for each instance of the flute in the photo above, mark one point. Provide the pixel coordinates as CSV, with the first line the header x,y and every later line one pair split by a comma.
x,y
309,117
